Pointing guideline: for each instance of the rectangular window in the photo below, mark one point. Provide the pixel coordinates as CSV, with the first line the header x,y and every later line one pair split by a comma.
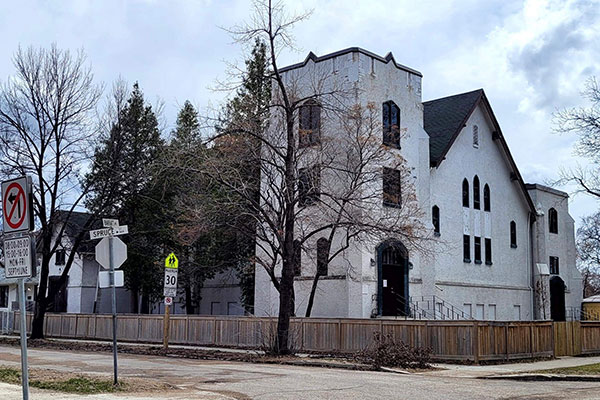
x,y
492,312
3,296
517,312
467,248
392,191
554,270
477,250
310,124
479,311
468,311
60,257
297,258
488,251
391,124
309,186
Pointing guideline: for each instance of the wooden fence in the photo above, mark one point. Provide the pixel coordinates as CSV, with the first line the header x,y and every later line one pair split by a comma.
x,y
449,340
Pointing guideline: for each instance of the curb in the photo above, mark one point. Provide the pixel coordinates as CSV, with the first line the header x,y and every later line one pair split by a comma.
x,y
544,378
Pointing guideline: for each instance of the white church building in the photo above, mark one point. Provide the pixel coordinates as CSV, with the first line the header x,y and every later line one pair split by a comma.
x,y
505,248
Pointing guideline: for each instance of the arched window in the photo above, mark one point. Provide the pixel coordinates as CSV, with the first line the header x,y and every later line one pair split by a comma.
x,y
391,124
475,136
486,198
465,193
435,219
513,234
553,220
310,124
476,195
297,258
322,256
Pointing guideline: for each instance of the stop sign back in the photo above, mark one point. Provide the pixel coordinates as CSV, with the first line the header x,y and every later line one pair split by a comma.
x,y
16,205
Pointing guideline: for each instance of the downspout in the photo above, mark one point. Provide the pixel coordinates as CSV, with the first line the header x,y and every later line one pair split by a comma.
x,y
530,251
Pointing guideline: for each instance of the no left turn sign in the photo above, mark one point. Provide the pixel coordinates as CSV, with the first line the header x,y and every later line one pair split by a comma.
x,y
15,205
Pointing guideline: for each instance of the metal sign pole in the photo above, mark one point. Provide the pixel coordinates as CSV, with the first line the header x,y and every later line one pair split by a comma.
x,y
114,304
23,315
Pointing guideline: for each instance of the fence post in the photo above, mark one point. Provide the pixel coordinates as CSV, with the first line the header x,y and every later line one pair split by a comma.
x,y
340,341
475,340
506,339
531,338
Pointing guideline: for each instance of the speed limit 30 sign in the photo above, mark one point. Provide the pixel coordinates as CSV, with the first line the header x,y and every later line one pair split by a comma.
x,y
171,264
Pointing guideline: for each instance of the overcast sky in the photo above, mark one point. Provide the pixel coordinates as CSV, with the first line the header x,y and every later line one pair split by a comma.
x,y
531,57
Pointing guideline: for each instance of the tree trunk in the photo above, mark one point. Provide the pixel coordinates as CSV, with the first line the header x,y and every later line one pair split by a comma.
x,y
189,308
286,294
37,325
311,298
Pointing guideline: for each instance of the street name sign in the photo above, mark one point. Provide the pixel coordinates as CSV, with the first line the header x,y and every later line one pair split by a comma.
x,y
104,279
17,257
109,222
16,206
106,232
119,253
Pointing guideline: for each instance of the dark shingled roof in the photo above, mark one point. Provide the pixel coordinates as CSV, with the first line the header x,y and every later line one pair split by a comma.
x,y
76,223
444,118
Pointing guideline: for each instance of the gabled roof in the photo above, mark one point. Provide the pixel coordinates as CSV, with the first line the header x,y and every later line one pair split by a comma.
x,y
76,222
444,119
312,56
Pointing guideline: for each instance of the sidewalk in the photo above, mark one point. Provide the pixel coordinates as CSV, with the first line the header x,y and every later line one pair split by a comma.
x,y
478,371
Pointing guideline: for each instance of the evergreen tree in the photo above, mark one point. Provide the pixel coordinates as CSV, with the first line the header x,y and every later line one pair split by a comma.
x,y
123,175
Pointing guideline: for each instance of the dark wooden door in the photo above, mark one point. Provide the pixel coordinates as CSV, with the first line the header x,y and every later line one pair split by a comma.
x,y
393,275
557,299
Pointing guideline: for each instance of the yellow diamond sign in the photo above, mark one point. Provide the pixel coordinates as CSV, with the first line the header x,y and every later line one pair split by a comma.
x,y
171,261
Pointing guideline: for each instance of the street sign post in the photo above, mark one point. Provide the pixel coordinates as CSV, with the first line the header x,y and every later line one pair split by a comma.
x,y
111,253
19,252
170,291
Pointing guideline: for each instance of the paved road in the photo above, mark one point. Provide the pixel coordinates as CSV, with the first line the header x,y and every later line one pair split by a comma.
x,y
196,379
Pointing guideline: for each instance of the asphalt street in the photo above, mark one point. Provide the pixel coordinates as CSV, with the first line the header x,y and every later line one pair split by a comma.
x,y
198,379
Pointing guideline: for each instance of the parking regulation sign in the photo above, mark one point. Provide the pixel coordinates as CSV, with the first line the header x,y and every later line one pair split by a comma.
x,y
16,207
17,257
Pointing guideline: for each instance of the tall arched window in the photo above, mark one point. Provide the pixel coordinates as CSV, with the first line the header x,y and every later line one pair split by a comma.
x,y
465,193
486,198
553,220
435,219
476,195
513,234
322,256
475,136
391,124
310,124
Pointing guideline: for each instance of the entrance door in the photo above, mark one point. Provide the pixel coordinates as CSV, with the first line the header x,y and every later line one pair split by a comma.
x,y
393,282
557,299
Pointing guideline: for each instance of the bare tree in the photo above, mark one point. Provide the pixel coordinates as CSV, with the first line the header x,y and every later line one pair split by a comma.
x,y
46,121
588,248
585,122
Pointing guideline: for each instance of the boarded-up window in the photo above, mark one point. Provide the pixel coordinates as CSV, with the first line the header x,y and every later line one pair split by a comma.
x,y
309,186
477,246
488,251
553,220
554,268
392,191
322,256
435,219
476,194
467,248
465,193
310,124
391,124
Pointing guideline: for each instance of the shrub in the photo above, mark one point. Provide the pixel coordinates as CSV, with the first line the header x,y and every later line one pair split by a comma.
x,y
386,351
